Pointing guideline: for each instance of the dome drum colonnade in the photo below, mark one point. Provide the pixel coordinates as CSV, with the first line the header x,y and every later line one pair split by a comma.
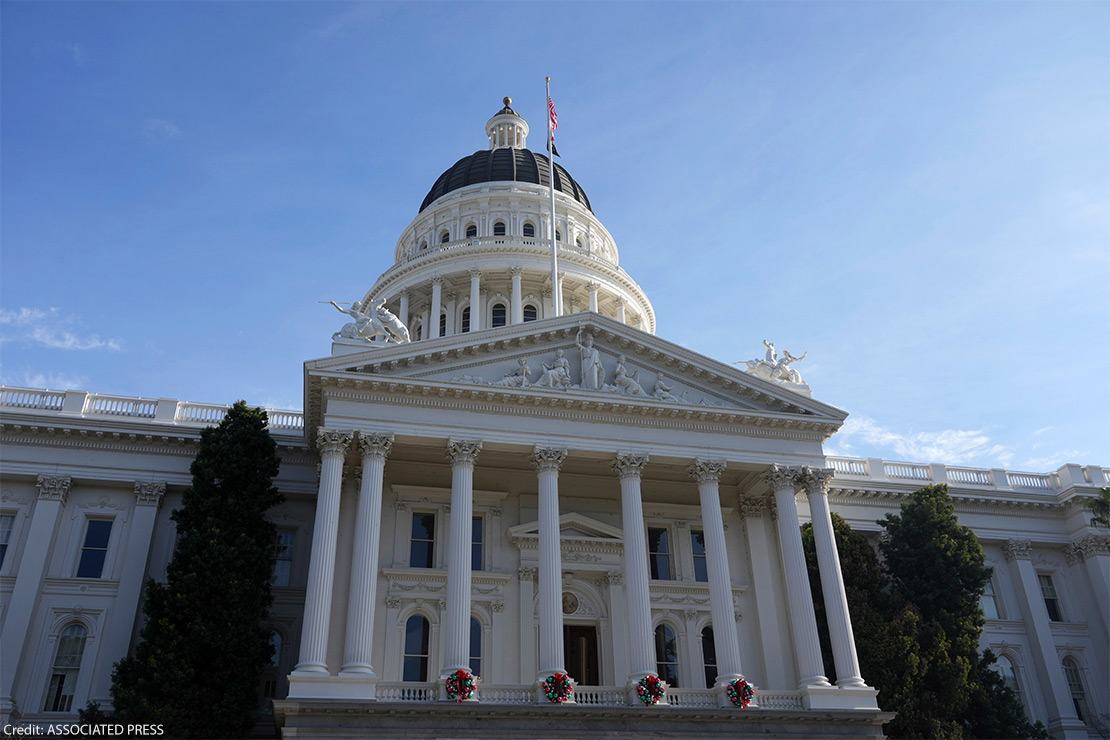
x,y
311,677
479,241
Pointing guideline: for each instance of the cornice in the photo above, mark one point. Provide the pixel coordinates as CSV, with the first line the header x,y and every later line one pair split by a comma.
x,y
894,497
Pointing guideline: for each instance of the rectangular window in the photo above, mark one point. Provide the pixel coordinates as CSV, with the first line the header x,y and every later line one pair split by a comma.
x,y
95,548
476,544
697,542
283,551
422,547
1051,601
6,523
988,601
659,554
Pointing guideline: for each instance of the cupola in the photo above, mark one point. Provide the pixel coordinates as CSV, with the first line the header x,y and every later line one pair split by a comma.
x,y
507,129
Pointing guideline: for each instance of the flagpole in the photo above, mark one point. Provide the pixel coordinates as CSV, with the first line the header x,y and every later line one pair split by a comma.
x,y
556,291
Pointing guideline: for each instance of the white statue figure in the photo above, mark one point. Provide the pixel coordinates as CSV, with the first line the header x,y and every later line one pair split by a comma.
x,y
772,368
623,381
517,378
663,391
557,374
592,371
368,326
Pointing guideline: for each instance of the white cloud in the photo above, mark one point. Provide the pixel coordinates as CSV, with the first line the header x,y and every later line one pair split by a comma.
x,y
156,130
49,329
952,446
51,380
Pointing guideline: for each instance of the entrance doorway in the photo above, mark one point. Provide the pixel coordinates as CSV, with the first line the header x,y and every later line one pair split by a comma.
x,y
580,653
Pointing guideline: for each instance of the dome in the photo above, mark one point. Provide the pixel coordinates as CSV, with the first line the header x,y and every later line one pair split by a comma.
x,y
504,164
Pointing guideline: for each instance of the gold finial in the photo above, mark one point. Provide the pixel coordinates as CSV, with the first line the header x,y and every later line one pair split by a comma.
x,y
507,100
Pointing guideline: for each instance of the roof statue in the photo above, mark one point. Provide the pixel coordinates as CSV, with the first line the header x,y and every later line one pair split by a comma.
x,y
378,322
772,367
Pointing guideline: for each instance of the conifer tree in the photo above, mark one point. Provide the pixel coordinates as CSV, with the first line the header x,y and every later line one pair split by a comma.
x,y
203,648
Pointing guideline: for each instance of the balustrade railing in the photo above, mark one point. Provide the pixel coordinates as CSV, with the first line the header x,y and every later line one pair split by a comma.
x,y
906,470
506,694
408,691
601,696
778,699
692,697
1028,480
970,476
27,398
480,241
101,404
848,466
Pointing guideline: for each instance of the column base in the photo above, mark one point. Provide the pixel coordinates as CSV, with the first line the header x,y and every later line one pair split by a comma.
x,y
358,670
832,697
541,691
304,686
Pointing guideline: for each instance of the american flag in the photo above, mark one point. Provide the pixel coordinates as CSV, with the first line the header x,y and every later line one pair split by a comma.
x,y
554,124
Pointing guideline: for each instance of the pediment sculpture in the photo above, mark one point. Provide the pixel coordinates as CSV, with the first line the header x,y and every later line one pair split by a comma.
x,y
772,367
371,323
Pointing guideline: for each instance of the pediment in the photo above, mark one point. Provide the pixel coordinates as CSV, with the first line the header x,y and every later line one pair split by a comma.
x,y
573,526
550,361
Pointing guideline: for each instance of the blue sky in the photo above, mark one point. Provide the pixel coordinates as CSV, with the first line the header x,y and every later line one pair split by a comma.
x,y
916,194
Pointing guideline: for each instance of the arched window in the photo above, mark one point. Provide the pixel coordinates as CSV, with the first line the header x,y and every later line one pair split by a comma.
x,y
423,245
709,656
471,231
558,235
417,331
465,319
67,664
416,649
1075,686
475,646
442,325
499,228
666,655
529,229
578,242
531,313
1005,668
444,236
500,315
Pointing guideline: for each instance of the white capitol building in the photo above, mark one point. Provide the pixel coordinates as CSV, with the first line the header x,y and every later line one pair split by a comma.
x,y
519,491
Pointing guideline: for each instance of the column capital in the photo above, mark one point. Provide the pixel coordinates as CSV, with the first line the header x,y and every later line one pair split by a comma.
x,y
815,481
527,574
437,280
1087,547
54,487
404,293
332,442
463,452
546,458
516,270
753,507
706,471
593,285
780,477
375,445
149,494
629,465
474,272
1017,550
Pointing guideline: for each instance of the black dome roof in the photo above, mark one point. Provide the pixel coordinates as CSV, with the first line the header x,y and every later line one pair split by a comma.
x,y
504,165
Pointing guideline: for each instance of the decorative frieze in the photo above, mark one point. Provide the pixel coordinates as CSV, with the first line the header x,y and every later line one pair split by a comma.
x,y
463,452
629,465
149,494
375,446
1017,550
54,487
706,471
547,459
332,442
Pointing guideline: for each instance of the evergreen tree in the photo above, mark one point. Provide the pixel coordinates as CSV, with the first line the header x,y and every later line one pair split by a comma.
x,y
203,648
1100,509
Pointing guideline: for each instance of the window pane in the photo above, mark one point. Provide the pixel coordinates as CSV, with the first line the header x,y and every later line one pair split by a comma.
x,y
466,319
530,313
666,655
659,554
92,563
98,532
471,231
422,549
1006,670
67,663
475,647
6,523
476,555
529,230
499,315
499,228
709,656
697,542
988,602
275,643
416,649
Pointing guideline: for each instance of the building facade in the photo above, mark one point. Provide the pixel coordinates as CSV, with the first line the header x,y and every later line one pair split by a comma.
x,y
534,484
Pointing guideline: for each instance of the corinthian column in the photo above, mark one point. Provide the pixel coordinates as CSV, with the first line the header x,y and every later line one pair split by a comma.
x,y
799,598
816,483
640,645
708,475
456,627
332,445
364,560
547,462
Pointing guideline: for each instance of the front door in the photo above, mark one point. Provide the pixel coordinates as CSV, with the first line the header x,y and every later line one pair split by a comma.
x,y
580,653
